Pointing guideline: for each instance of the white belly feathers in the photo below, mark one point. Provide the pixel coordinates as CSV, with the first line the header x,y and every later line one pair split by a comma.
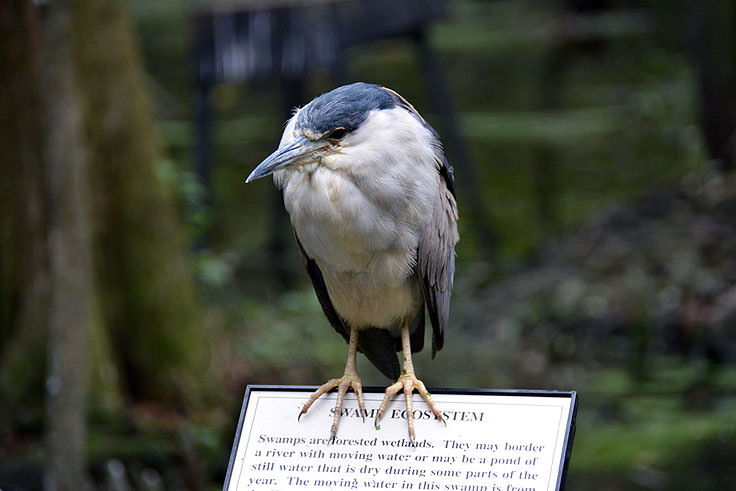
x,y
365,249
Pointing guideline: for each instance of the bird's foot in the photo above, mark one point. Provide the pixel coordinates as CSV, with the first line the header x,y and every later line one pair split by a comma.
x,y
409,382
342,384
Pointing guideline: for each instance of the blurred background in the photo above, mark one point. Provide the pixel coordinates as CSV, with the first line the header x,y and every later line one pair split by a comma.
x,y
143,284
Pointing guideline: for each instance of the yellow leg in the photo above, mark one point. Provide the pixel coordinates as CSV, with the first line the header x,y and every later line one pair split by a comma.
x,y
349,379
409,382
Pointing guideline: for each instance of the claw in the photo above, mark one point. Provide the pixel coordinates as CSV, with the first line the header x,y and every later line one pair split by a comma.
x,y
343,384
349,379
408,382
331,384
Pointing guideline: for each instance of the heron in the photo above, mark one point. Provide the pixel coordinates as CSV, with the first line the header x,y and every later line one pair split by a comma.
x,y
371,198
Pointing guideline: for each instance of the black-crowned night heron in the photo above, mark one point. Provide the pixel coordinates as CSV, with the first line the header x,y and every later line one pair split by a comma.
x,y
372,201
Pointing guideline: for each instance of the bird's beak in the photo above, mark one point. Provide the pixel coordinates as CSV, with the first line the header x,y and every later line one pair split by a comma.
x,y
298,151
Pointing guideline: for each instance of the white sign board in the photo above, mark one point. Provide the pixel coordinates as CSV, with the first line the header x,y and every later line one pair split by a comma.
x,y
493,441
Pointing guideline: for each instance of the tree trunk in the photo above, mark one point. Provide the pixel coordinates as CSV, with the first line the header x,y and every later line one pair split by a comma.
x,y
70,310
23,229
147,295
85,219
712,25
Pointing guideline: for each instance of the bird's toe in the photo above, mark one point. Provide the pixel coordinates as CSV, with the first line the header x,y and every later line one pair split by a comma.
x,y
408,383
342,384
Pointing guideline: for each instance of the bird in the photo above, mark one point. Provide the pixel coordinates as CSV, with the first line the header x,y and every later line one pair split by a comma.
x,y
371,198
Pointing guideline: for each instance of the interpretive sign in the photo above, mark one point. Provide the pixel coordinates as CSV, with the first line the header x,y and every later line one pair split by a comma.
x,y
495,440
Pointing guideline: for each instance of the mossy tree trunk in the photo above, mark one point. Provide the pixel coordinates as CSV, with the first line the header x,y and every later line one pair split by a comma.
x,y
23,228
93,263
147,294
712,26
70,253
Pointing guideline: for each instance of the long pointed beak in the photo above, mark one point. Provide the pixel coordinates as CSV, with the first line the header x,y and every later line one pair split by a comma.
x,y
299,150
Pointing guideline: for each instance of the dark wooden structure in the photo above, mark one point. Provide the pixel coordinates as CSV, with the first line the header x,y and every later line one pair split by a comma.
x,y
289,39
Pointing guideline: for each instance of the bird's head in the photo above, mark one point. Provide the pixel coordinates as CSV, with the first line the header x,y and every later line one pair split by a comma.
x,y
350,121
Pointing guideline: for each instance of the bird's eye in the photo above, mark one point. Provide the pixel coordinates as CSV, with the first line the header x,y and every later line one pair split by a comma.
x,y
337,134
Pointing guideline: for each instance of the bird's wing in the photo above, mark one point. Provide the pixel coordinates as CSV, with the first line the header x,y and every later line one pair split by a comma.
x,y
436,251
376,344
436,264
436,257
320,289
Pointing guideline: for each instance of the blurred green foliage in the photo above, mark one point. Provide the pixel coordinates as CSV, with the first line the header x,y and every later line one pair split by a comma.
x,y
624,124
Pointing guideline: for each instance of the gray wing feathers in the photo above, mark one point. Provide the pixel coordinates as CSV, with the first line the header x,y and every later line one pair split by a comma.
x,y
436,252
436,257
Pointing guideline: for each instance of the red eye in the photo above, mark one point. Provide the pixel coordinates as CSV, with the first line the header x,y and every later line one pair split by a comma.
x,y
337,134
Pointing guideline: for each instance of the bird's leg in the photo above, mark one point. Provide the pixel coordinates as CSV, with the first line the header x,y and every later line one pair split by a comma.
x,y
349,379
409,382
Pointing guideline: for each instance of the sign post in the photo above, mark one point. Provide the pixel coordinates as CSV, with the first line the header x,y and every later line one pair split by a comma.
x,y
495,440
